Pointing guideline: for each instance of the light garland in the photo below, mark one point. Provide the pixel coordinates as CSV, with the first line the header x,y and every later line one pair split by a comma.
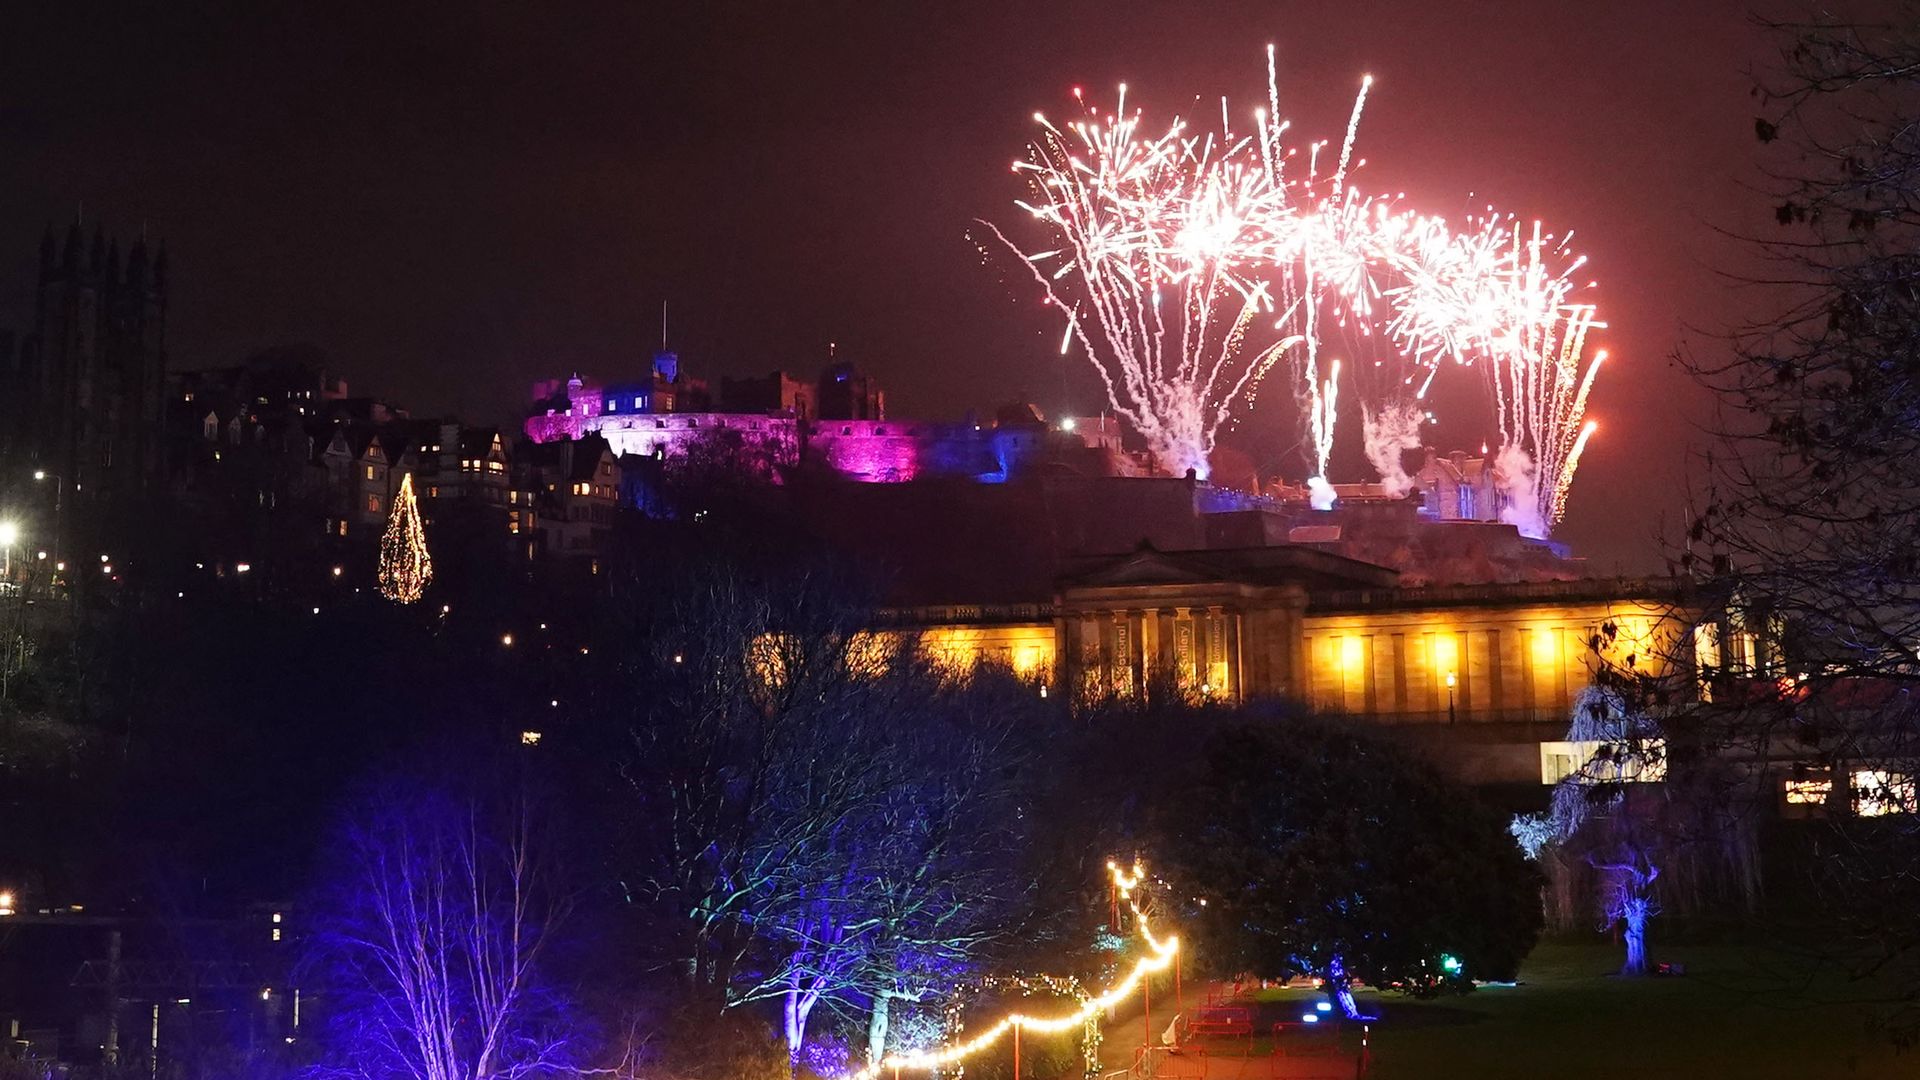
x,y
1028,985
1161,955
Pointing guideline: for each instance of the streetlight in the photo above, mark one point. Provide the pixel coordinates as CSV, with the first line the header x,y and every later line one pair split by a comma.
x,y
1450,683
9,536
41,476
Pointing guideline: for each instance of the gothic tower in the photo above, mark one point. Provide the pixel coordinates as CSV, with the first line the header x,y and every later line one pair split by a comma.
x,y
96,364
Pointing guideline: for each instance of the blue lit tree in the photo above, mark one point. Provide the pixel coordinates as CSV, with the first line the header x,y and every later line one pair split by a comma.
x,y
1636,826
824,817
442,915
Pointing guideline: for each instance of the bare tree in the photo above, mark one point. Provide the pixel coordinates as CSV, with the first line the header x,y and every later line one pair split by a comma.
x,y
449,909
829,810
1812,493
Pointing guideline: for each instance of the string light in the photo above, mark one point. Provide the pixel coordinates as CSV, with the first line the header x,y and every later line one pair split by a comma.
x,y
405,567
1161,953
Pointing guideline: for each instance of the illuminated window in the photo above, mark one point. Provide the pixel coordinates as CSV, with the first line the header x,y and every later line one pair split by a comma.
x,y
373,504
496,466
1592,761
529,738
1878,793
637,403
369,472
1808,792
433,491
343,527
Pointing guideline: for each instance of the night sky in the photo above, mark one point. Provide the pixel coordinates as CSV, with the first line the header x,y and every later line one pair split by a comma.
x,y
453,200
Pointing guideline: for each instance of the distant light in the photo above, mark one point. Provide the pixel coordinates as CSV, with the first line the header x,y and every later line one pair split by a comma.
x,y
316,611
107,569
9,534
1067,424
677,658
103,558
1310,1018
241,568
506,639
6,903
336,571
1323,1006
39,474
530,738
555,703
42,556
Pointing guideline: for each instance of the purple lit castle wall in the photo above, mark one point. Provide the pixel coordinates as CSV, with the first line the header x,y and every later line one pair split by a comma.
x,y
866,450
892,451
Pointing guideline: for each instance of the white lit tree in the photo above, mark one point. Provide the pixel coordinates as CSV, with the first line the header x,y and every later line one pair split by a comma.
x,y
405,567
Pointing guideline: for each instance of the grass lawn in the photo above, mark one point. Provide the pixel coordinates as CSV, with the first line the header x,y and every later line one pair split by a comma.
x,y
1738,1012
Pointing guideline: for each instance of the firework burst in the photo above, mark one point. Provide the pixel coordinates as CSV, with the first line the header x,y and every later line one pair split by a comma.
x,y
1188,263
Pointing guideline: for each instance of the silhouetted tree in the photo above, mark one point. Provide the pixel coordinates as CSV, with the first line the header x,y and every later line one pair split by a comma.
x,y
1812,493
1319,851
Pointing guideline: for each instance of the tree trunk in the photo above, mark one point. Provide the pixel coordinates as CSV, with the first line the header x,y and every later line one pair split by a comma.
x,y
877,1029
796,1005
1636,925
1339,987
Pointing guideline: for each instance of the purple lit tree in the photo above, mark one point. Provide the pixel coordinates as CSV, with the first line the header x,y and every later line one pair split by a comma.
x,y
1631,818
1629,900
447,906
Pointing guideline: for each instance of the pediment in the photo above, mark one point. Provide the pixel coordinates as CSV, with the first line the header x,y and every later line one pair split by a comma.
x,y
1148,568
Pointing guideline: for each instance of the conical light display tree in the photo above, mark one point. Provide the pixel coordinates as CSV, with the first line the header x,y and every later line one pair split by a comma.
x,y
405,566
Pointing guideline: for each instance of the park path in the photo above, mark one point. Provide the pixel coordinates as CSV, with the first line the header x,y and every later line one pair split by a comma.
x,y
1334,1055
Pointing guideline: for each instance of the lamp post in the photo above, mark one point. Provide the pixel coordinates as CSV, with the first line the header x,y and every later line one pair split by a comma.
x,y
41,476
13,645
1450,684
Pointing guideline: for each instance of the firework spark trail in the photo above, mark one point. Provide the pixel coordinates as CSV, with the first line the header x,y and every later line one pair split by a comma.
x,y
1187,265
